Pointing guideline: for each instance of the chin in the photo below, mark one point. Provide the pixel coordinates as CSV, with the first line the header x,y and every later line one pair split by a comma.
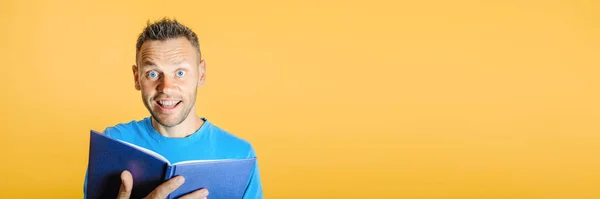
x,y
168,121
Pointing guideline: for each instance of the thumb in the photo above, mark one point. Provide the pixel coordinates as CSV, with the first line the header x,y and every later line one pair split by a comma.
x,y
126,185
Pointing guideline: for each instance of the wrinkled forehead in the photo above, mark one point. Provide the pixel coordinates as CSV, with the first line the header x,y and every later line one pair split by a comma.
x,y
167,52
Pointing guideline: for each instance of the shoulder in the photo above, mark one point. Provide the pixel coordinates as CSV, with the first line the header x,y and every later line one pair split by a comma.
x,y
126,130
231,141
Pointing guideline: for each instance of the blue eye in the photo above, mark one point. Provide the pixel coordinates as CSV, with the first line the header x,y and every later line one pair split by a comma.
x,y
180,73
152,74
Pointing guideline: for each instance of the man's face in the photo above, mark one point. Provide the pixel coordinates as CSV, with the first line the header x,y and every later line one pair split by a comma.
x,y
167,74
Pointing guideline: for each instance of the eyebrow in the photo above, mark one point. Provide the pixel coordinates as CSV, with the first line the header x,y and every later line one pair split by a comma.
x,y
147,63
175,62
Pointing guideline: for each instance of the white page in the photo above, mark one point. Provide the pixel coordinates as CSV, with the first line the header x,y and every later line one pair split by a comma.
x,y
195,161
147,151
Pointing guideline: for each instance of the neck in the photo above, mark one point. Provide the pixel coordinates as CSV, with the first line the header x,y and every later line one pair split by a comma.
x,y
189,126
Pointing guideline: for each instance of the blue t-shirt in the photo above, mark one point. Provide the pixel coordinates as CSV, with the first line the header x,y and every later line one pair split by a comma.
x,y
209,142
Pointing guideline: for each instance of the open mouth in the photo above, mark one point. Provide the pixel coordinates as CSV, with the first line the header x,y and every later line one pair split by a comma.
x,y
168,104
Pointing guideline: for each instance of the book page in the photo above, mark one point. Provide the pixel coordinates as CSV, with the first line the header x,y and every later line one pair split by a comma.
x,y
147,151
197,161
224,178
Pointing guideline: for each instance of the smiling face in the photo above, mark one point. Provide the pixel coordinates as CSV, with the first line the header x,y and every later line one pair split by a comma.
x,y
167,74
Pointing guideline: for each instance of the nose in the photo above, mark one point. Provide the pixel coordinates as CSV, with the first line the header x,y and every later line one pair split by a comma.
x,y
166,85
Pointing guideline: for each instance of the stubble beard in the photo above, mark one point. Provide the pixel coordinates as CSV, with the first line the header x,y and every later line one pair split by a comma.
x,y
184,113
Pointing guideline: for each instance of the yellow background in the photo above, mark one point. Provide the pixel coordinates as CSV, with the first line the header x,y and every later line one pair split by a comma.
x,y
341,99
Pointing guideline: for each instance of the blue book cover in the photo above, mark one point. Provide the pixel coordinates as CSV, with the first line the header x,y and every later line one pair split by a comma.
x,y
108,157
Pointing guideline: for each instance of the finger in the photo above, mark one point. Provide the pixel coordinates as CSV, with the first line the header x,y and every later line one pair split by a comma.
x,y
202,193
126,185
166,188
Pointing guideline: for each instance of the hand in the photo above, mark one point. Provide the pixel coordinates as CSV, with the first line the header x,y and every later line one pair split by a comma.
x,y
161,192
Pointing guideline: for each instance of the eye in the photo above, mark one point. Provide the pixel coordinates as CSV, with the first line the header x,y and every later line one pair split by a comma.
x,y
153,74
180,73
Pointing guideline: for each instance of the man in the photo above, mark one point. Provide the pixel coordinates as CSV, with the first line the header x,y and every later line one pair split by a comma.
x,y
169,69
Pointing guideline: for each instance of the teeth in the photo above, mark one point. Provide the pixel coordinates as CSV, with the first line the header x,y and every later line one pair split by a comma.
x,y
168,102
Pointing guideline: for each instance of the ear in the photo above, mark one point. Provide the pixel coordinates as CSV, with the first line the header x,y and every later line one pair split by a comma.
x,y
201,73
136,77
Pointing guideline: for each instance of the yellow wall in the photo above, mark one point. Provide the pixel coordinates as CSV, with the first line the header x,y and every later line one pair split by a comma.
x,y
342,99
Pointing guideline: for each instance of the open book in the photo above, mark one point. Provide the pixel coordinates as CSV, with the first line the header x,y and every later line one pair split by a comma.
x,y
108,157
